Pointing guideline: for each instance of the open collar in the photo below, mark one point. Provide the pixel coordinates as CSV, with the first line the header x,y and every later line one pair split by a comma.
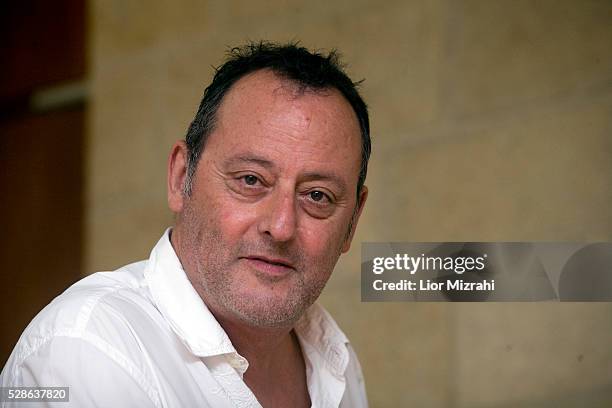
x,y
181,305
192,321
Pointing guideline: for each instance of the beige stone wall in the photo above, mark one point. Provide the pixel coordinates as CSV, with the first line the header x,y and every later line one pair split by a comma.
x,y
492,120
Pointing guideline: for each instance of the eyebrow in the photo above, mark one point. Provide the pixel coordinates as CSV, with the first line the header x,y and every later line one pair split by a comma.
x,y
331,177
242,159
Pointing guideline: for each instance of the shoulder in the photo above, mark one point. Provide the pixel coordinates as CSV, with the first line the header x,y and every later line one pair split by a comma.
x,y
90,335
95,310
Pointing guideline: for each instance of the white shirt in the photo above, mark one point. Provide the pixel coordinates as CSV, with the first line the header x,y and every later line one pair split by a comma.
x,y
141,336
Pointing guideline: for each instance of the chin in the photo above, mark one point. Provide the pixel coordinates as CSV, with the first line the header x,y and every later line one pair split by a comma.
x,y
271,312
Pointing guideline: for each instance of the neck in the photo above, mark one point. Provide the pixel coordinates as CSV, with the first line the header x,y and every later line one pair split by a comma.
x,y
277,371
263,347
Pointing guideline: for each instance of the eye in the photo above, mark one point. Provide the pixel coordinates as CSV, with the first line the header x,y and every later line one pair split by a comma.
x,y
247,185
319,198
319,203
250,179
317,195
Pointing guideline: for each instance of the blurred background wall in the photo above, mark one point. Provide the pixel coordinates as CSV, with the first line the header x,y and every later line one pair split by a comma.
x,y
491,120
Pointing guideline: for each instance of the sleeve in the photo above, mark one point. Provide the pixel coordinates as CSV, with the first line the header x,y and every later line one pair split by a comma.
x,y
95,373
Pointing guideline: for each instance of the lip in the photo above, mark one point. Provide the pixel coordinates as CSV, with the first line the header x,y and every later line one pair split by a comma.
x,y
275,267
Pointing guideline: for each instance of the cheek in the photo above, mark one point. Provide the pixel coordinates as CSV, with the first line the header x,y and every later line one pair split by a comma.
x,y
322,241
231,217
235,218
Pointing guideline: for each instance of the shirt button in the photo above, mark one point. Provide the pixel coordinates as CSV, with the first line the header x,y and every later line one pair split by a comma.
x,y
238,362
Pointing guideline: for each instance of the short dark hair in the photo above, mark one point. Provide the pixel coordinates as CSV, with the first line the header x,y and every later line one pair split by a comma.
x,y
309,69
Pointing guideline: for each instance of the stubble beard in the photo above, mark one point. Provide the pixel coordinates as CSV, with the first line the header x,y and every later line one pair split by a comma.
x,y
218,286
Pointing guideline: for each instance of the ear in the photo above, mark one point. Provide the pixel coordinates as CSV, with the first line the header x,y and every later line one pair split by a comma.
x,y
363,196
177,173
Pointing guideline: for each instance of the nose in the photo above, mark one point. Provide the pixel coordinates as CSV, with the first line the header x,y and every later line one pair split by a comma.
x,y
279,218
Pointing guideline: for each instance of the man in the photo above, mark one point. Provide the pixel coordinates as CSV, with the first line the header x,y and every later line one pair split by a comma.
x,y
267,190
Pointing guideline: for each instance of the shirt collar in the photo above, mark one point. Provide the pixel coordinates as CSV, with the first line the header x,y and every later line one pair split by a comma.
x,y
181,305
192,321
320,332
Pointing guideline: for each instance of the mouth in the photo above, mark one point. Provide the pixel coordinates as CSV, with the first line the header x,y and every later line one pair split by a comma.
x,y
274,267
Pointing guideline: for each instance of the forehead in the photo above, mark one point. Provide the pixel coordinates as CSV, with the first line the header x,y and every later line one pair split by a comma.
x,y
273,115
263,89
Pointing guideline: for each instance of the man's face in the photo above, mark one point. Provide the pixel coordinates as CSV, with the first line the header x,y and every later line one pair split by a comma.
x,y
272,200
